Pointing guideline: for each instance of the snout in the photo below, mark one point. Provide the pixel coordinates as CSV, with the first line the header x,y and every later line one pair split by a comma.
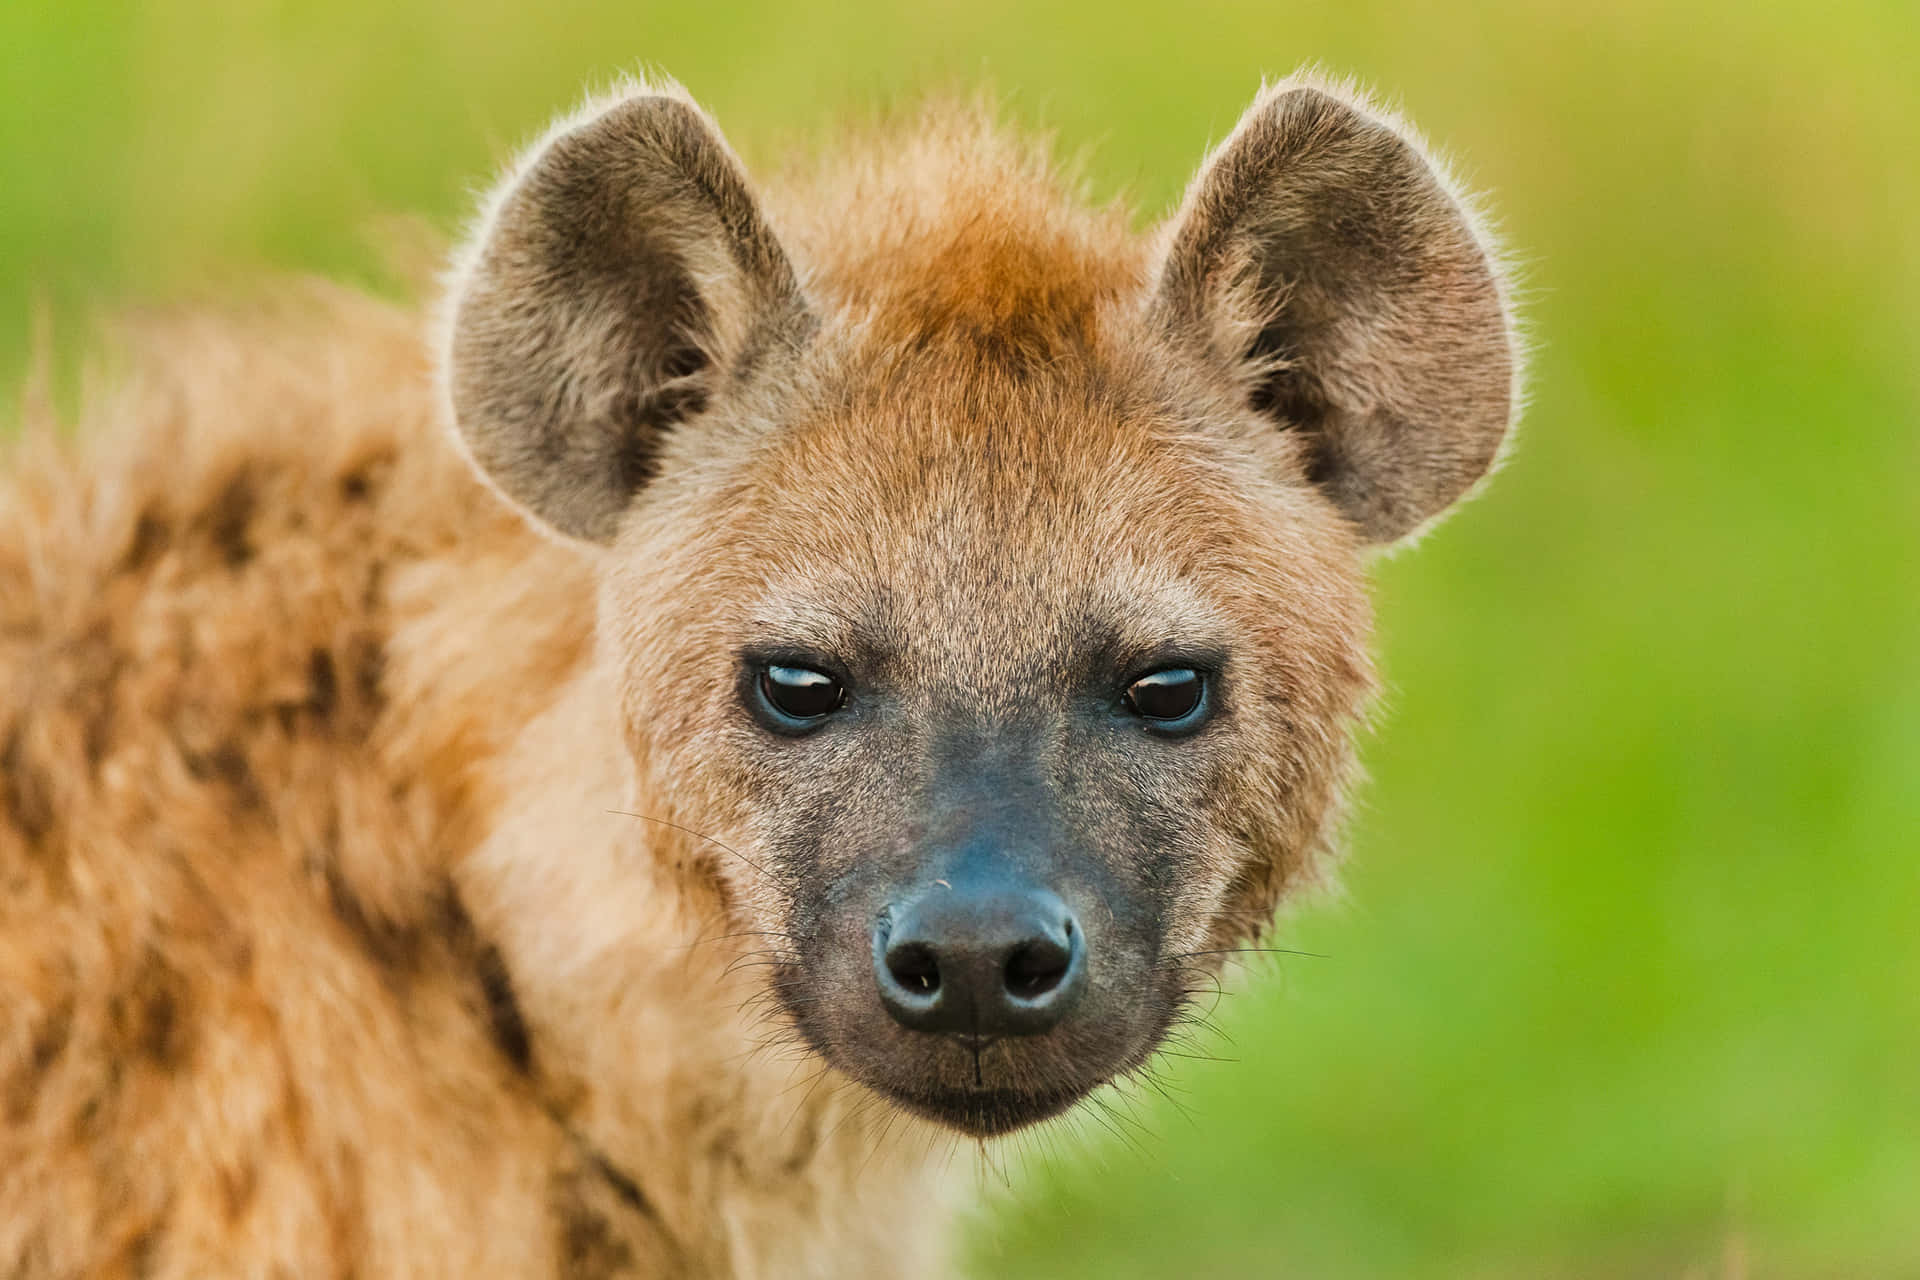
x,y
981,960
982,988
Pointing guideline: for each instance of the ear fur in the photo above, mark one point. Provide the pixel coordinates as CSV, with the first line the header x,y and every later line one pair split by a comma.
x,y
1323,259
619,276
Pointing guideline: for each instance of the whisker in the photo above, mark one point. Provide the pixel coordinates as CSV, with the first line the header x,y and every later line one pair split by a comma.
x,y
1250,951
699,835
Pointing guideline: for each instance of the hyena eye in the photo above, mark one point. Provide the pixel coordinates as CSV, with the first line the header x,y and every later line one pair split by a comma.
x,y
1170,699
800,695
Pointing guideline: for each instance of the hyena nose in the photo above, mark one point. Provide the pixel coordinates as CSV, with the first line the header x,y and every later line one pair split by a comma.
x,y
991,961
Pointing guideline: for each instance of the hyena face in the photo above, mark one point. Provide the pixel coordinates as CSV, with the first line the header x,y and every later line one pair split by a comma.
x,y
985,592
1019,698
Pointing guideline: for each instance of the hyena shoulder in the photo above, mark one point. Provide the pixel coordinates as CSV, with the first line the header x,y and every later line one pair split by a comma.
x,y
244,1011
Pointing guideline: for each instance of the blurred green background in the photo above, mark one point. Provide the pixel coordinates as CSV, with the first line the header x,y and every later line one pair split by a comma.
x,y
1626,980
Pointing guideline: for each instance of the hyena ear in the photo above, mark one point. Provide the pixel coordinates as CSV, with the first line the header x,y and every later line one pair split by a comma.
x,y
1322,260
621,276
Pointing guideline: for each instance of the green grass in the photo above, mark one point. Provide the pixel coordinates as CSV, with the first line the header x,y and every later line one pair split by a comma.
x,y
1627,978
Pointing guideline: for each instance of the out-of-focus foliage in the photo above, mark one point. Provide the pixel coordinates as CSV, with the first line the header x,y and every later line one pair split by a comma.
x,y
1626,977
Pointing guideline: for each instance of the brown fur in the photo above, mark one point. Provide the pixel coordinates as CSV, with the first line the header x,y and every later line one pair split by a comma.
x,y
327,941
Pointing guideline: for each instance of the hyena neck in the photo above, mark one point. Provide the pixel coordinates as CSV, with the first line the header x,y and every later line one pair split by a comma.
x,y
644,1042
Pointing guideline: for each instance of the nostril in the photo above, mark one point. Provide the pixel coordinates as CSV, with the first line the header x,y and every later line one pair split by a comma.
x,y
913,966
1037,967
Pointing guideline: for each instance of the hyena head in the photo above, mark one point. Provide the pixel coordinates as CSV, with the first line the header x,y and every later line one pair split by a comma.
x,y
983,582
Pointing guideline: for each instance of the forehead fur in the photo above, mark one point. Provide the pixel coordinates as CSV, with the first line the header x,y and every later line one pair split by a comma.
x,y
964,513
947,223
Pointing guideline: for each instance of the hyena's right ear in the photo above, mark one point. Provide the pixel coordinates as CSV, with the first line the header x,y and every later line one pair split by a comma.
x,y
620,276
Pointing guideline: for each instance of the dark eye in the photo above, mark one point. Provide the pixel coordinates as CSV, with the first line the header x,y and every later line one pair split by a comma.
x,y
801,693
1167,697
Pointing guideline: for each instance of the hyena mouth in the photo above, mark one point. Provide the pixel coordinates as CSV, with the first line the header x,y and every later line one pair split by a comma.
x,y
987,1113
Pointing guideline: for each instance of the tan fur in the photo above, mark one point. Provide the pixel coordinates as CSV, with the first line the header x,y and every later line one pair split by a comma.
x,y
329,942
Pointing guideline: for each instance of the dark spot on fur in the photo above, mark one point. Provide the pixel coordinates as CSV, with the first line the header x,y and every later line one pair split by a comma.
x,y
97,729
366,661
806,1144
323,685
89,1124
588,1244
505,1023
588,1247
365,478
159,1022
346,1215
623,1186
237,1190
140,1250
49,1041
148,540
149,1016
395,948
26,794
229,519
503,1010
442,935
436,932
227,763
95,664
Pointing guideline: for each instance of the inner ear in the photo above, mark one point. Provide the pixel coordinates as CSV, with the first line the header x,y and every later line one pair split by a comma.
x,y
622,279
1322,262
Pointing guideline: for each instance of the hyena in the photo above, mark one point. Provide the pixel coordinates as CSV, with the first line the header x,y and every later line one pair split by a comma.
x,y
615,779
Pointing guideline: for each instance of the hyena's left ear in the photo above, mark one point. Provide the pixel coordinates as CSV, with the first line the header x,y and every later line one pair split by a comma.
x,y
620,279
1322,260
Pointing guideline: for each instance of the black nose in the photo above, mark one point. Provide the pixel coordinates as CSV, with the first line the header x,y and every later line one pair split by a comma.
x,y
1001,960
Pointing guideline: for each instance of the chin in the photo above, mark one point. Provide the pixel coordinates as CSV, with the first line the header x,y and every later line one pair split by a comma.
x,y
1007,1085
984,1112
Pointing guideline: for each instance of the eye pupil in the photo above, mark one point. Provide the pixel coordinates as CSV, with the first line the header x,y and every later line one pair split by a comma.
x,y
1173,694
800,692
